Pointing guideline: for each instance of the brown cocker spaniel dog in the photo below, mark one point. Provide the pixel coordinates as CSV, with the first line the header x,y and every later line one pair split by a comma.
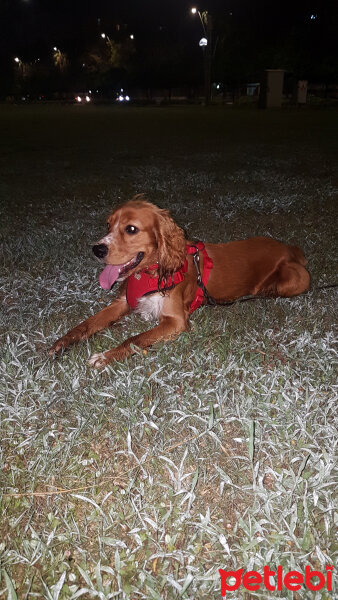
x,y
165,277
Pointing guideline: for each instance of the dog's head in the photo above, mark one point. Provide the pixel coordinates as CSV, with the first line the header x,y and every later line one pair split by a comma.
x,y
139,235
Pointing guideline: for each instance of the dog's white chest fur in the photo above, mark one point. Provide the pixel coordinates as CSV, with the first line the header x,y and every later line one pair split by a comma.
x,y
150,307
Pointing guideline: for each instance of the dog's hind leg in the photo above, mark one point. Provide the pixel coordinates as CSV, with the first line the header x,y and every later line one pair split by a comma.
x,y
291,279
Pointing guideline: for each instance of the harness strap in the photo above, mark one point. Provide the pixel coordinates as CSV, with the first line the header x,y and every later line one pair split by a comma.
x,y
202,280
143,283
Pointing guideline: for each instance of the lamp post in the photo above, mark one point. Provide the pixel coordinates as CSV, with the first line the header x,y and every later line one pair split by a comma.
x,y
21,66
206,44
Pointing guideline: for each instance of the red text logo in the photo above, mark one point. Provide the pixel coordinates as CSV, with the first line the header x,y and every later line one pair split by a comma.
x,y
291,580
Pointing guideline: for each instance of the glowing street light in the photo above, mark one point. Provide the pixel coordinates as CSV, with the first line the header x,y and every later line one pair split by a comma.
x,y
105,37
203,17
131,36
206,44
21,66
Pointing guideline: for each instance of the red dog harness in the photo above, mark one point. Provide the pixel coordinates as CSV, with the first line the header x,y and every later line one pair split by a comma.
x,y
142,283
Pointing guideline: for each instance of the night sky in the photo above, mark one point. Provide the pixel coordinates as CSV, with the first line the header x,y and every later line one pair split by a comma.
x,y
30,28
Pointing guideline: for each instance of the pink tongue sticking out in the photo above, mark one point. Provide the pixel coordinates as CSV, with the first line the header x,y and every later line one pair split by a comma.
x,y
109,275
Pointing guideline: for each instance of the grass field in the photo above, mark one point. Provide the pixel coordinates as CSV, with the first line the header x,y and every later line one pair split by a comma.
x,y
217,450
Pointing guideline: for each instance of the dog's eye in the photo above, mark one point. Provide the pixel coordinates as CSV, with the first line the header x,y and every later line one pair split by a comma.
x,y
108,226
131,229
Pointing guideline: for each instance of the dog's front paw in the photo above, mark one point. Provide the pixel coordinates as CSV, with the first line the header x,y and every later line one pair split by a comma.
x,y
98,361
59,345
72,337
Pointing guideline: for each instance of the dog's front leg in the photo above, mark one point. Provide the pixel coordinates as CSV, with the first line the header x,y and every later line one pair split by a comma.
x,y
105,317
168,329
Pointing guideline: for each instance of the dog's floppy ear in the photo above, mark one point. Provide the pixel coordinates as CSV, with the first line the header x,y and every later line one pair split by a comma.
x,y
170,243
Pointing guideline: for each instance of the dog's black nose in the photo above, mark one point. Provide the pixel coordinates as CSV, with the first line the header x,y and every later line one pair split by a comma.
x,y
100,250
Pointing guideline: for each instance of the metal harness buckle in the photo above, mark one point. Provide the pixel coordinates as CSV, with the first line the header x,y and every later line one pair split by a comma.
x,y
196,259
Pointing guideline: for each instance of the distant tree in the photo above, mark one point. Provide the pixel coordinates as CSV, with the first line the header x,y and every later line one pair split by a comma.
x,y
61,61
106,63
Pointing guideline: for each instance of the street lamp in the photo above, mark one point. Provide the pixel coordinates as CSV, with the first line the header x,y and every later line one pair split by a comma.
x,y
195,11
21,67
206,44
